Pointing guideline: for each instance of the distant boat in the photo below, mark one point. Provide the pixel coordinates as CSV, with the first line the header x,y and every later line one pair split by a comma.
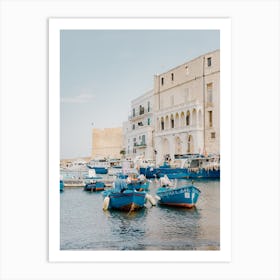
x,y
99,165
184,196
205,167
74,183
61,185
93,182
150,172
125,199
92,175
76,165
193,166
134,180
94,186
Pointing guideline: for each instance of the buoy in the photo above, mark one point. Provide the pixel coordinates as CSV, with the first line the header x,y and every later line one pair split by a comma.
x,y
106,203
151,199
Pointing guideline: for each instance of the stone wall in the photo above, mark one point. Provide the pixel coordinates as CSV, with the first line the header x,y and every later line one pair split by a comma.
x,y
107,142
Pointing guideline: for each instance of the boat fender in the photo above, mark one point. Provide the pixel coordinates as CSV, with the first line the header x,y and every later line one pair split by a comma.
x,y
157,197
106,203
151,199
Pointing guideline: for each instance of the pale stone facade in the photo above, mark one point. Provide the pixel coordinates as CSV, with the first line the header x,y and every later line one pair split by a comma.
x,y
187,108
138,130
107,142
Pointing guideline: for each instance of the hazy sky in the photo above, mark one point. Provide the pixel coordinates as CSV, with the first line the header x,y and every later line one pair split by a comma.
x,y
103,70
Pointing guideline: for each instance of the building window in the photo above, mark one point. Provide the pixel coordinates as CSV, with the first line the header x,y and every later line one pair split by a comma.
x,y
133,126
188,118
209,61
162,81
210,113
172,122
162,125
133,112
149,121
213,135
210,93
172,76
143,140
149,106
141,110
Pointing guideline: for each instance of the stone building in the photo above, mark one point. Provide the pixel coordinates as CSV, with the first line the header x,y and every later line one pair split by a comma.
x,y
107,142
187,108
138,130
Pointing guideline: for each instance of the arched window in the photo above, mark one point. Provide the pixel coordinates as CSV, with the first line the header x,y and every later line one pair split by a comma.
x,y
190,144
177,120
178,145
162,123
194,117
188,118
167,125
199,118
182,118
172,121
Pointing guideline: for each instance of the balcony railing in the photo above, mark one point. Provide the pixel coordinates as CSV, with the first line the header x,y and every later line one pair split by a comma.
x,y
141,113
140,145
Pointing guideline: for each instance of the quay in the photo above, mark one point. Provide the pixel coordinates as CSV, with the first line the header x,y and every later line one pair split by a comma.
x,y
75,183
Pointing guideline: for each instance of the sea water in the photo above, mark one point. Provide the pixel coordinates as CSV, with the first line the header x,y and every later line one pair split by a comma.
x,y
85,226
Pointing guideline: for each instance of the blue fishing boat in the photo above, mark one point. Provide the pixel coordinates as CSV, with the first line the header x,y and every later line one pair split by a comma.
x,y
134,181
93,182
184,196
121,197
94,186
99,165
150,172
205,167
61,185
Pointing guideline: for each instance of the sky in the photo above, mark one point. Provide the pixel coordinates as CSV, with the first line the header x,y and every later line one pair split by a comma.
x,y
102,71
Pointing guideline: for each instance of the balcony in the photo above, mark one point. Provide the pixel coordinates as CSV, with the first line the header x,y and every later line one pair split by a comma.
x,y
140,114
140,145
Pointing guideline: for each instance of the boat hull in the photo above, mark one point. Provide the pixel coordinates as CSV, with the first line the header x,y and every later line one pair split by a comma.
x,y
99,170
129,200
61,186
98,186
149,172
184,174
185,196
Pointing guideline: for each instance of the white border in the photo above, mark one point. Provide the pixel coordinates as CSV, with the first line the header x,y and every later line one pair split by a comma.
x,y
224,25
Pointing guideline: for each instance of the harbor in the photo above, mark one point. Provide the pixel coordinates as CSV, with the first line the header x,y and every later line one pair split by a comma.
x,y
153,181
85,226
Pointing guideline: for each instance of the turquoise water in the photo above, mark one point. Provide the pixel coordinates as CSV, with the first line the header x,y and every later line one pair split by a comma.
x,y
85,226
